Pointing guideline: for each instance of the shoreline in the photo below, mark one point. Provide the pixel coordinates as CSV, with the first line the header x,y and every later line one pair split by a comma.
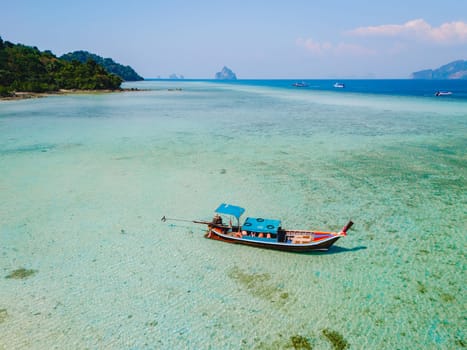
x,y
24,95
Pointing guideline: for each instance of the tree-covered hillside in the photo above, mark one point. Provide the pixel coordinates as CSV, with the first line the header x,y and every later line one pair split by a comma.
x,y
125,72
26,68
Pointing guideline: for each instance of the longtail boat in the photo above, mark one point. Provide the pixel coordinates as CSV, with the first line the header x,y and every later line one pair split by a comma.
x,y
265,233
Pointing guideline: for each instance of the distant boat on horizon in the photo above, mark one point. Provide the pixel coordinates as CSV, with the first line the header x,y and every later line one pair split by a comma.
x,y
443,93
300,84
339,85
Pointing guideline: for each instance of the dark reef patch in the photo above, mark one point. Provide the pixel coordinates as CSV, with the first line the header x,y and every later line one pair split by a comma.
x,y
21,273
3,315
259,285
336,339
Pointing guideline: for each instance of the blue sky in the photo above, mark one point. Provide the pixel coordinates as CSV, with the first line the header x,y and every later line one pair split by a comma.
x,y
255,38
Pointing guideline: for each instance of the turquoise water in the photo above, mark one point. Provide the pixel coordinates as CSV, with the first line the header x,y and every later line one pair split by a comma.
x,y
85,180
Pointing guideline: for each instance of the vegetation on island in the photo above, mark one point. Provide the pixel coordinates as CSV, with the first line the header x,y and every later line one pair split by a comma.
x,y
125,72
27,69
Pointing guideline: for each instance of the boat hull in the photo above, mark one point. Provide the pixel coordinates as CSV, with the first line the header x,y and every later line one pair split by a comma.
x,y
315,245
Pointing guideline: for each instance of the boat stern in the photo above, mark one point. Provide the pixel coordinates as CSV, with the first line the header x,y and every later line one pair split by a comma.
x,y
346,228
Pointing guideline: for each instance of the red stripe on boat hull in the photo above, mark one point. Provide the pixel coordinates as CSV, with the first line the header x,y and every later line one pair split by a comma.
x,y
313,246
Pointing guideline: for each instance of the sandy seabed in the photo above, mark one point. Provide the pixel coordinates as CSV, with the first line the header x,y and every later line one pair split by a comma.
x,y
86,178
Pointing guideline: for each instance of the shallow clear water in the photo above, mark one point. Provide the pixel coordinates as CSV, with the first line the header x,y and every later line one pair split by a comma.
x,y
85,180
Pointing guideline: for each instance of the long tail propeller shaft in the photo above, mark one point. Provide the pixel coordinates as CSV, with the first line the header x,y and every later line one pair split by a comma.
x,y
164,219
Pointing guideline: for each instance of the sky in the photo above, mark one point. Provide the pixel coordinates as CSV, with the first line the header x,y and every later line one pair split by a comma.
x,y
257,39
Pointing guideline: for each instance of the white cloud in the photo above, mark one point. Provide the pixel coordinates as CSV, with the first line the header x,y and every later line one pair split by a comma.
x,y
324,48
313,46
416,31
452,32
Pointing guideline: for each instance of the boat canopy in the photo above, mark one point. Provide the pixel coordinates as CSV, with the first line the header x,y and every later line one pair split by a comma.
x,y
261,225
230,209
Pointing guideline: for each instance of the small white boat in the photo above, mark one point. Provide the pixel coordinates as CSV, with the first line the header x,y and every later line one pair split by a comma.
x,y
443,93
339,85
300,84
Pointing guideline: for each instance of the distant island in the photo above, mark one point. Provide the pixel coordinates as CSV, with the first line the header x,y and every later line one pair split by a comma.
x,y
125,72
453,70
225,74
174,76
27,69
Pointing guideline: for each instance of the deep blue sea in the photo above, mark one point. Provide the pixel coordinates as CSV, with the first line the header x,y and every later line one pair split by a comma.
x,y
86,263
396,87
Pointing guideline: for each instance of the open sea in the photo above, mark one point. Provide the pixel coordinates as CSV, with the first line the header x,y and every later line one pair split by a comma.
x,y
86,263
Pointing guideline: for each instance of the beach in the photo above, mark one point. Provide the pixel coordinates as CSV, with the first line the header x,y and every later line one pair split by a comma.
x,y
86,179
27,94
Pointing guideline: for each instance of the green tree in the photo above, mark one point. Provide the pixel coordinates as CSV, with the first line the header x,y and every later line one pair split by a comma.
x,y
25,68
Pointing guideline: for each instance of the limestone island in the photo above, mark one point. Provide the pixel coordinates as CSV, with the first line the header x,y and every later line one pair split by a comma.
x,y
225,74
174,76
453,70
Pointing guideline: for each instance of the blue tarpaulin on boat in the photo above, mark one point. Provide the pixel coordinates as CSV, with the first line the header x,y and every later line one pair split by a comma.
x,y
261,225
230,209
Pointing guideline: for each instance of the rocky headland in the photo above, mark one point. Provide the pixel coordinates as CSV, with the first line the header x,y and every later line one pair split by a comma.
x,y
453,70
